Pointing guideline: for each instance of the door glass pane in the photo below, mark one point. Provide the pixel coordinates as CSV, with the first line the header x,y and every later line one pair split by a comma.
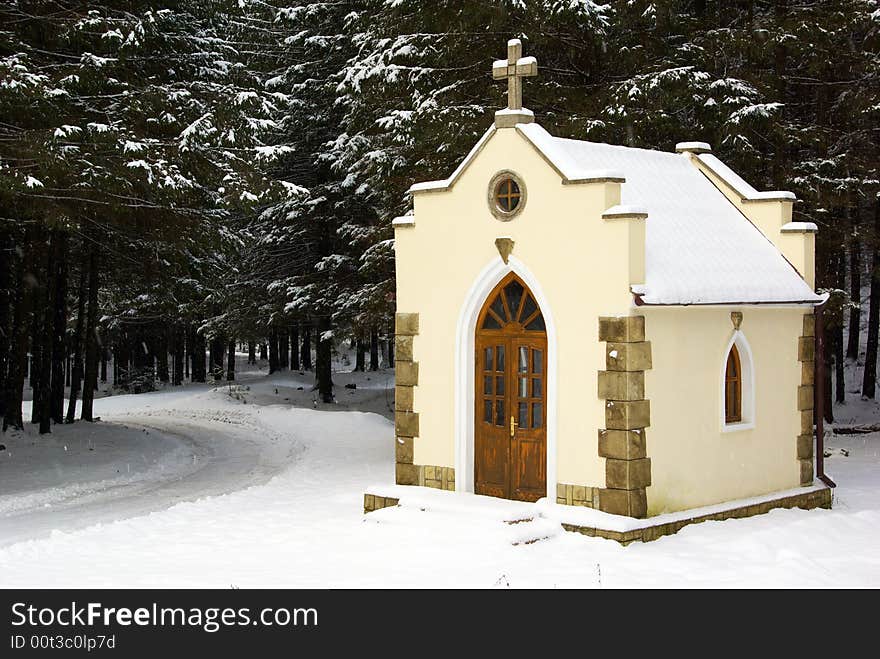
x,y
498,307
489,322
499,386
487,411
523,387
500,365
523,359
537,324
536,387
487,359
523,415
487,385
537,415
528,308
499,412
513,292
537,361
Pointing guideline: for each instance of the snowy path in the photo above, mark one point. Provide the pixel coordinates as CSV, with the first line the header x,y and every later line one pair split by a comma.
x,y
211,453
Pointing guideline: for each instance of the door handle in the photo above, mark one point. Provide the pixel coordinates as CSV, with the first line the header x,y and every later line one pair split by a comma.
x,y
513,425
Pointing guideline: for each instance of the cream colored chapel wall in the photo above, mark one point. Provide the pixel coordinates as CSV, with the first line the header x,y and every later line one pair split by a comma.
x,y
579,259
693,463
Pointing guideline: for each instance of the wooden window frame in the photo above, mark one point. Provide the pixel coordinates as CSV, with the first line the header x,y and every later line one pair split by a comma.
x,y
733,385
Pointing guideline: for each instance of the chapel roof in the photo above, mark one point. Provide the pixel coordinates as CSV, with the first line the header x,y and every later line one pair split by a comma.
x,y
700,248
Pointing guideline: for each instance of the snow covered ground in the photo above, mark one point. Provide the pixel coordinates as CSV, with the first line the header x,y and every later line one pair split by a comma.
x,y
250,486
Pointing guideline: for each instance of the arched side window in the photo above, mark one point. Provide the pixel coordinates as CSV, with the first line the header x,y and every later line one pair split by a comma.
x,y
737,386
733,387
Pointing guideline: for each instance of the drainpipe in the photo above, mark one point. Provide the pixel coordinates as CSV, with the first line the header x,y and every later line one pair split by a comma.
x,y
819,393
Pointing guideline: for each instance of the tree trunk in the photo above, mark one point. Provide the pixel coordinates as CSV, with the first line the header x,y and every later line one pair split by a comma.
x,y
18,339
839,380
44,316
306,348
283,348
273,351
264,351
374,349
104,363
294,347
76,379
869,376
179,357
218,349
323,356
360,361
252,352
59,325
230,361
7,246
198,357
855,293
90,383
162,354
391,348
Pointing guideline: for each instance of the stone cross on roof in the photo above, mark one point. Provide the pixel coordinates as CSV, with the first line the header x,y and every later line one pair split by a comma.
x,y
514,68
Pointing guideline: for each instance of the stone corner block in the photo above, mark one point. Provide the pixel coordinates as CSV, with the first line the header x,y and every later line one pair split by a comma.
x,y
624,329
809,325
805,397
403,450
403,347
628,356
406,424
805,447
627,414
622,385
806,472
406,474
627,474
632,503
406,373
806,349
406,324
622,444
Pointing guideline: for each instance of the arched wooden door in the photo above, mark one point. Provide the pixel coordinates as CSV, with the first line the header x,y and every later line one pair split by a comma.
x,y
510,436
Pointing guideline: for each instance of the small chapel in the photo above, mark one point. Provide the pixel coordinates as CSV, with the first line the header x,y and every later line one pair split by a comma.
x,y
601,326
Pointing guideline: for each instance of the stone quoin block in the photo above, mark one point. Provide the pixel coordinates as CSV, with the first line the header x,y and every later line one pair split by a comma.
x,y
622,444
806,472
403,450
440,478
406,373
406,424
805,397
627,474
624,329
403,399
632,503
406,474
406,324
805,447
806,349
808,372
807,422
403,348
628,356
627,414
809,325
622,385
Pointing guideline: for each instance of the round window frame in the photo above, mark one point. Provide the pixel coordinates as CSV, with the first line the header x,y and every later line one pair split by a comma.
x,y
497,211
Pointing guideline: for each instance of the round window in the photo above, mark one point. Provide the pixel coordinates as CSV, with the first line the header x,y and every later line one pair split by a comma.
x,y
507,195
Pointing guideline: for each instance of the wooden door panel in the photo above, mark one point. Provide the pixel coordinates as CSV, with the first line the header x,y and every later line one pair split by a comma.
x,y
510,411
529,452
491,445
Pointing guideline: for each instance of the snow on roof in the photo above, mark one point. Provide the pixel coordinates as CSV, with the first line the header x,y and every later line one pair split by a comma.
x,y
734,180
700,249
